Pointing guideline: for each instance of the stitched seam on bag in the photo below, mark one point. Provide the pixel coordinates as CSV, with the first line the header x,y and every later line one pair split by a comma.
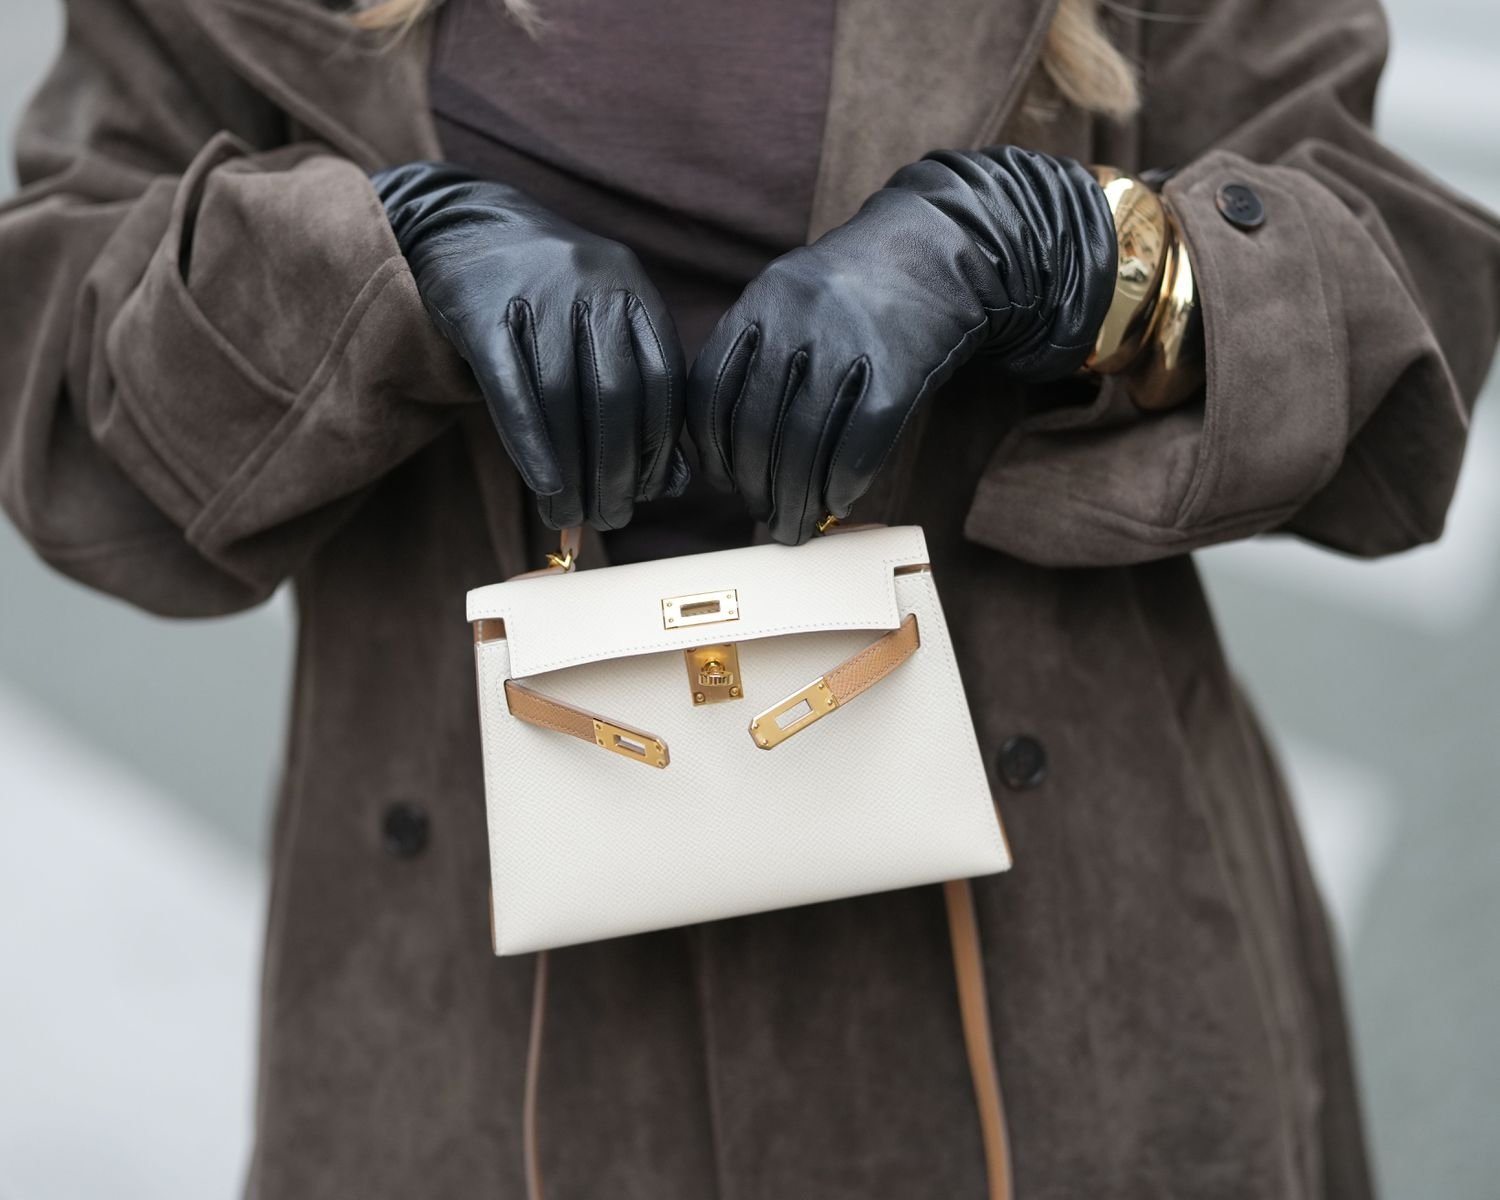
x,y
914,551
905,558
487,710
990,816
657,647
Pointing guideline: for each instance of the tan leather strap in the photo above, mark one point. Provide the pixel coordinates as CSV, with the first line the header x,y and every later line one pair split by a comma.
x,y
529,1144
537,709
874,662
973,1005
828,692
565,560
569,546
854,675
561,717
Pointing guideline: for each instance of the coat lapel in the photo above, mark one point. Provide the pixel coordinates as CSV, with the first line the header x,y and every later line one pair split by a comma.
x,y
364,94
908,76
911,76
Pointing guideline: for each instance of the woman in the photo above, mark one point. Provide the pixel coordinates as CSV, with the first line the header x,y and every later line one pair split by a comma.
x,y
233,298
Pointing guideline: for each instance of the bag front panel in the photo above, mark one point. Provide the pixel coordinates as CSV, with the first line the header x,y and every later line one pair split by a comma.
x,y
886,791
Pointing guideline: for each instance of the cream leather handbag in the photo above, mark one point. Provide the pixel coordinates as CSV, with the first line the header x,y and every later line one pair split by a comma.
x,y
702,737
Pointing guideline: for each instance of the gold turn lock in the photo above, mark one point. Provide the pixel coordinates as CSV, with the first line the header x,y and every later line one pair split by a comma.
x,y
714,673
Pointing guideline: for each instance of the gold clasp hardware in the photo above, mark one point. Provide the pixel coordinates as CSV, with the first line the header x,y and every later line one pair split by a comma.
x,y
714,673
701,608
630,743
569,542
793,715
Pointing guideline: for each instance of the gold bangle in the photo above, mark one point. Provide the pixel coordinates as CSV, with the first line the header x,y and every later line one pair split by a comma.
x,y
1172,368
1153,331
1144,237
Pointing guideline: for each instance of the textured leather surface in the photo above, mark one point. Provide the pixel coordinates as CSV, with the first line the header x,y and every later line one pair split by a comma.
x,y
531,706
842,582
875,661
885,794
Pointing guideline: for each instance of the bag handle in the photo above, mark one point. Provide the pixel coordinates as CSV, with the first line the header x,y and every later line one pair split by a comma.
x,y
569,547
564,559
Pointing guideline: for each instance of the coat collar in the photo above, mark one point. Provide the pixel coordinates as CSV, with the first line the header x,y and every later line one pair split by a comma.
x,y
364,94
908,76
911,76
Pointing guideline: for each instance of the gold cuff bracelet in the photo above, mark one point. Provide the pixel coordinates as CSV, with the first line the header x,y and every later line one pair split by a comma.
x,y
1152,333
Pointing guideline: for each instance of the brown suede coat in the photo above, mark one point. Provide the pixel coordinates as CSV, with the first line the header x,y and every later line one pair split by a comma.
x,y
215,375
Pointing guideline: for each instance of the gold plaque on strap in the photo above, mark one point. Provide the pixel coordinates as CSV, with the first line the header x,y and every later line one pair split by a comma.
x,y
793,715
631,743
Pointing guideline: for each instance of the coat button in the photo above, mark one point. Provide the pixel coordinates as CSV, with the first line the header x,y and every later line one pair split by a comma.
x,y
404,830
1022,762
1240,206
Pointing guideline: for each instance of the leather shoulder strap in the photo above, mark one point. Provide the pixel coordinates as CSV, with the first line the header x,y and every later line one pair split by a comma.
x,y
973,1004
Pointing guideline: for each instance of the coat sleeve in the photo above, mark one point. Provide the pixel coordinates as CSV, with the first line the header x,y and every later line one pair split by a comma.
x,y
1347,337
210,345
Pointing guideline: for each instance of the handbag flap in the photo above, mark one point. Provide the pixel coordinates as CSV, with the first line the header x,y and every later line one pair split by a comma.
x,y
843,581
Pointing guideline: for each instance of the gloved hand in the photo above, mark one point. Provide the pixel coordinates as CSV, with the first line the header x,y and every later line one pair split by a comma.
x,y
806,383
573,349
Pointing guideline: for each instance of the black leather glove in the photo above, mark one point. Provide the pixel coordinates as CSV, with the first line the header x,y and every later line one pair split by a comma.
x,y
805,385
574,351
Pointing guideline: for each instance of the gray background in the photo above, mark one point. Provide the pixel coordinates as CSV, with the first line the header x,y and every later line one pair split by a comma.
x,y
137,758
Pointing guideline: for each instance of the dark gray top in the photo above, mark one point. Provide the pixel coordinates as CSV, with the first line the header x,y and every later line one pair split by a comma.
x,y
690,130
